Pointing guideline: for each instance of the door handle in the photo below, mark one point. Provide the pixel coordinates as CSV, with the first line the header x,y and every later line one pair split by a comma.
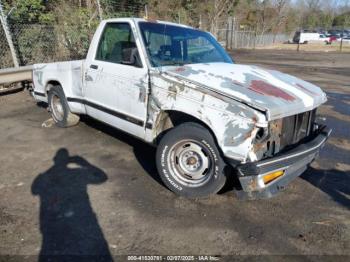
x,y
94,66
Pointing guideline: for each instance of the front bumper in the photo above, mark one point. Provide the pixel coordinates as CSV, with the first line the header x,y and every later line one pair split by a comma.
x,y
293,162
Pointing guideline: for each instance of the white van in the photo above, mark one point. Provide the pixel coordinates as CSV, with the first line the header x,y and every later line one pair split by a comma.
x,y
304,38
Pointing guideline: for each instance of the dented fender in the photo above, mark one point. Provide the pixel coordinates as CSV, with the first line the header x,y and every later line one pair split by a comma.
x,y
234,124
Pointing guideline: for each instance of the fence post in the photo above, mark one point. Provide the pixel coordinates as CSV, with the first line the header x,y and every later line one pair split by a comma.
x,y
146,11
235,32
232,32
227,36
99,10
341,41
341,44
255,34
3,20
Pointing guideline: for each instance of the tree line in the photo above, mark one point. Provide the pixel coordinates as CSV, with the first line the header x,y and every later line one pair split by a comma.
x,y
64,28
263,15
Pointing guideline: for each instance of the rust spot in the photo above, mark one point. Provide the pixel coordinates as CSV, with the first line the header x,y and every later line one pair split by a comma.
x,y
249,134
305,89
259,147
267,89
255,119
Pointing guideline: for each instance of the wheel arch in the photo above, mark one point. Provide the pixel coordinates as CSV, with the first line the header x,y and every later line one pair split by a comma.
x,y
50,84
169,119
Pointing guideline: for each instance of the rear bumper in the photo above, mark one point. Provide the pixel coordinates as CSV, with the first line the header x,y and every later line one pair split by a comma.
x,y
293,162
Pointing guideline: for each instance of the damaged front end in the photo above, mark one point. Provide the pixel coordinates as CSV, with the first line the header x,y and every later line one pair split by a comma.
x,y
266,133
283,133
285,153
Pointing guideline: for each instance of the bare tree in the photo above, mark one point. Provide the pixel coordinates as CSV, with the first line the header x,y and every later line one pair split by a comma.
x,y
271,14
217,9
313,5
280,17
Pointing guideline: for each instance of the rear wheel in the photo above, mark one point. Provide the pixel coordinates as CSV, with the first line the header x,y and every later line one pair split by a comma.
x,y
189,161
59,108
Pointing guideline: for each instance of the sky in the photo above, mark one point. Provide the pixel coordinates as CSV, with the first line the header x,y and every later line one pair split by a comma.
x,y
325,3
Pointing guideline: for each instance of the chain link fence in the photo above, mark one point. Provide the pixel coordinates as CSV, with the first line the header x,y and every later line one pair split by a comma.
x,y
233,35
250,39
35,43
42,43
5,54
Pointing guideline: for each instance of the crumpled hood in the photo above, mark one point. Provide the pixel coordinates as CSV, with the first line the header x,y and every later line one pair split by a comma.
x,y
278,94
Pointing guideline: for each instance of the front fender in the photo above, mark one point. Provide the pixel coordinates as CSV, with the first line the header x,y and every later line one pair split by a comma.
x,y
233,124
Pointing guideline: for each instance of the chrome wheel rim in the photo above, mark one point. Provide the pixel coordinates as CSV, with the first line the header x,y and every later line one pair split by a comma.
x,y
57,108
190,162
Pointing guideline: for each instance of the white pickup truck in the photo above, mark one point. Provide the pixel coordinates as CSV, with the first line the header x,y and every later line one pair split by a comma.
x,y
175,87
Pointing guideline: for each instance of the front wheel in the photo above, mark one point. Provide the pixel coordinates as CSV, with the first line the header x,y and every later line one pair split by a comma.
x,y
189,161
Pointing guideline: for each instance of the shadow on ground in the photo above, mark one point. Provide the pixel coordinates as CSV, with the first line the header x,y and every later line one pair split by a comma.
x,y
144,153
333,182
68,224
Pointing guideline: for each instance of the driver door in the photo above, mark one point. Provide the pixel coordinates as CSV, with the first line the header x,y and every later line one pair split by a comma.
x,y
116,80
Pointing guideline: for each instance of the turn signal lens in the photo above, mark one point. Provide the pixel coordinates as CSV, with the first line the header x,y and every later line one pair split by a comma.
x,y
272,176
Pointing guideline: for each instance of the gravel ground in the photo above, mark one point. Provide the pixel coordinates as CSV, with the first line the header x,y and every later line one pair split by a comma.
x,y
104,186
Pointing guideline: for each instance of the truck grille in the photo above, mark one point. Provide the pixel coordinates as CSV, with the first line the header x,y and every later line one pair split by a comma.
x,y
296,127
285,133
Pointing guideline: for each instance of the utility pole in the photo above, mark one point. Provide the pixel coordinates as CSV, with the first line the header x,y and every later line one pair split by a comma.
x,y
3,20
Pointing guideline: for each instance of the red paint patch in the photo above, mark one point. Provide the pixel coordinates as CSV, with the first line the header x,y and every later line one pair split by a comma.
x,y
305,89
180,69
267,89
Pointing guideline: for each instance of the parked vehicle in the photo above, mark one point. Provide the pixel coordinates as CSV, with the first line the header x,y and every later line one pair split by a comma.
x,y
304,38
175,87
331,39
346,39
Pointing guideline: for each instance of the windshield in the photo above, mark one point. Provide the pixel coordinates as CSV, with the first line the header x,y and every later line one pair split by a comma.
x,y
175,45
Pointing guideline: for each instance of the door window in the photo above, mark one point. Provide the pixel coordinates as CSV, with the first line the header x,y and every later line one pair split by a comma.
x,y
117,45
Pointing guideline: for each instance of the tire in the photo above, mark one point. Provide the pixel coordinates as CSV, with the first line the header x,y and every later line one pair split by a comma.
x,y
59,108
189,162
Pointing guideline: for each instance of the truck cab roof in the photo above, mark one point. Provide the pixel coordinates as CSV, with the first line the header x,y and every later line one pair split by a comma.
x,y
137,20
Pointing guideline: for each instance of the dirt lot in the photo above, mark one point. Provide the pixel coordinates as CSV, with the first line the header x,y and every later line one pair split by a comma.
x,y
115,203
311,47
